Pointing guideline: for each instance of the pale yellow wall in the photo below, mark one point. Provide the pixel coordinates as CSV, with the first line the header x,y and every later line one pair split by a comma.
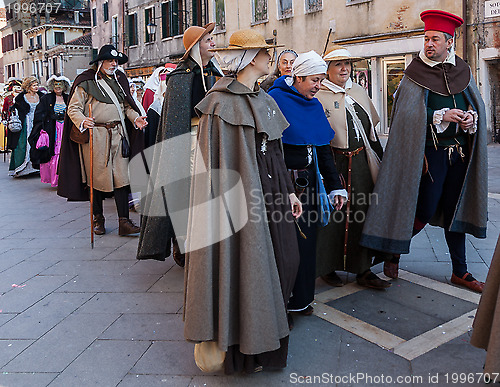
x,y
304,32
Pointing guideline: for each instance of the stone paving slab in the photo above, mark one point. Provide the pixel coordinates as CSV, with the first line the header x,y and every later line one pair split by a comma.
x,y
10,348
26,379
110,283
104,363
77,332
19,299
135,380
37,320
22,272
134,303
146,326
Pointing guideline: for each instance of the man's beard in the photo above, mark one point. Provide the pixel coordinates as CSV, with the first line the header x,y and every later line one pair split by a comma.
x,y
110,71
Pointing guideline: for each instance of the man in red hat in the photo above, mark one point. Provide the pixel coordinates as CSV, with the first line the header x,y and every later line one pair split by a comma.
x,y
435,164
186,86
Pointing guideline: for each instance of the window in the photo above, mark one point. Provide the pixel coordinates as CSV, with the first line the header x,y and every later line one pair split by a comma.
x,y
59,37
285,9
132,29
105,11
39,41
259,8
165,20
94,17
32,43
20,38
149,17
314,5
114,30
172,18
196,14
220,15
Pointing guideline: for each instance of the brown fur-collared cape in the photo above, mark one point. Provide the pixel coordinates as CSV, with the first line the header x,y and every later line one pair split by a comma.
x,y
390,219
70,184
233,293
486,333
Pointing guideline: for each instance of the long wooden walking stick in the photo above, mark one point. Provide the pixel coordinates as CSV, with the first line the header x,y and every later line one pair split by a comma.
x,y
91,177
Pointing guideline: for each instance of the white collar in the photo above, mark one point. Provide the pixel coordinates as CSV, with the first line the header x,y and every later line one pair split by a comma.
x,y
431,63
336,88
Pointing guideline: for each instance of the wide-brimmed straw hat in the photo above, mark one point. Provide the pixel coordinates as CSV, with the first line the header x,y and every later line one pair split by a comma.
x,y
193,35
339,53
246,40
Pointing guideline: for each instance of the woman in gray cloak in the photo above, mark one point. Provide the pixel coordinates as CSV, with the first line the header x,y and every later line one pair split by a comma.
x,y
242,254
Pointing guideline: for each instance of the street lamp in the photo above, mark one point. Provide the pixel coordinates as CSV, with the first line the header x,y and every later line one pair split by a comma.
x,y
151,28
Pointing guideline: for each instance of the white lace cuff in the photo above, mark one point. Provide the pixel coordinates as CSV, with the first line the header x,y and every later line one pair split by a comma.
x,y
437,120
474,127
335,192
81,128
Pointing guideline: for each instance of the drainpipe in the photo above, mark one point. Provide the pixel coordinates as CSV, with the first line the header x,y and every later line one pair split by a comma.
x,y
464,28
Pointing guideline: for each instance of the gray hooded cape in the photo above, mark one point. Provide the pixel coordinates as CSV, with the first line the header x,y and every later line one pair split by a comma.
x,y
390,218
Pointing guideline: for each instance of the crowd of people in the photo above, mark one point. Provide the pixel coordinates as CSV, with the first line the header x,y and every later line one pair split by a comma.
x,y
257,189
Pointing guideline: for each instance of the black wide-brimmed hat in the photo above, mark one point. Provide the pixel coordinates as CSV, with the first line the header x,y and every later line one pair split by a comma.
x,y
108,51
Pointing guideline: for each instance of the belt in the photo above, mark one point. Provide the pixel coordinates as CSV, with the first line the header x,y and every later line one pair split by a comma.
x,y
348,154
108,125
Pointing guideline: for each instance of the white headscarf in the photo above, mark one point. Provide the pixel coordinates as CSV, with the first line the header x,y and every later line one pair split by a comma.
x,y
154,80
196,56
309,63
237,60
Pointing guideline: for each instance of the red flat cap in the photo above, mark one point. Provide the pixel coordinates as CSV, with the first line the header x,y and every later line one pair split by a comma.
x,y
437,20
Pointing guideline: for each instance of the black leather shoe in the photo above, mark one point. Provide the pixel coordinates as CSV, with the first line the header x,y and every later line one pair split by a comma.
x,y
332,279
179,258
99,225
370,280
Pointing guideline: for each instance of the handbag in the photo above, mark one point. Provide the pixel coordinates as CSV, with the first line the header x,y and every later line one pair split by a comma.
x,y
15,125
79,137
324,206
208,357
43,140
125,148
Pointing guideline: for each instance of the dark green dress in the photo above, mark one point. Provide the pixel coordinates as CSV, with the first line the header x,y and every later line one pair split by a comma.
x,y
331,239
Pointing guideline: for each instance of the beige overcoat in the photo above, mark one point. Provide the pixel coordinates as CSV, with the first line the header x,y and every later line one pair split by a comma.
x,y
110,168
486,332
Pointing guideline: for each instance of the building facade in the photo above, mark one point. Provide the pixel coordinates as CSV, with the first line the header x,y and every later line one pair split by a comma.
x,y
387,34
34,41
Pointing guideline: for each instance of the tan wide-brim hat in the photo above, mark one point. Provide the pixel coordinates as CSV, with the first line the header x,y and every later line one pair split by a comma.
x,y
193,35
246,40
339,53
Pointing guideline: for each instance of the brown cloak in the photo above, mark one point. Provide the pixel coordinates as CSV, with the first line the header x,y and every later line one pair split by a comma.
x,y
70,184
486,333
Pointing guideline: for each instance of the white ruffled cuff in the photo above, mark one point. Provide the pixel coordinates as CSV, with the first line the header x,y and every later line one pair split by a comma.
x,y
81,128
474,127
437,120
335,192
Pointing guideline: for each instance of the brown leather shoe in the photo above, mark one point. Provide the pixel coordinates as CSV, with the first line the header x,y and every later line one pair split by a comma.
x,y
370,280
179,258
332,279
99,225
468,281
391,270
126,227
